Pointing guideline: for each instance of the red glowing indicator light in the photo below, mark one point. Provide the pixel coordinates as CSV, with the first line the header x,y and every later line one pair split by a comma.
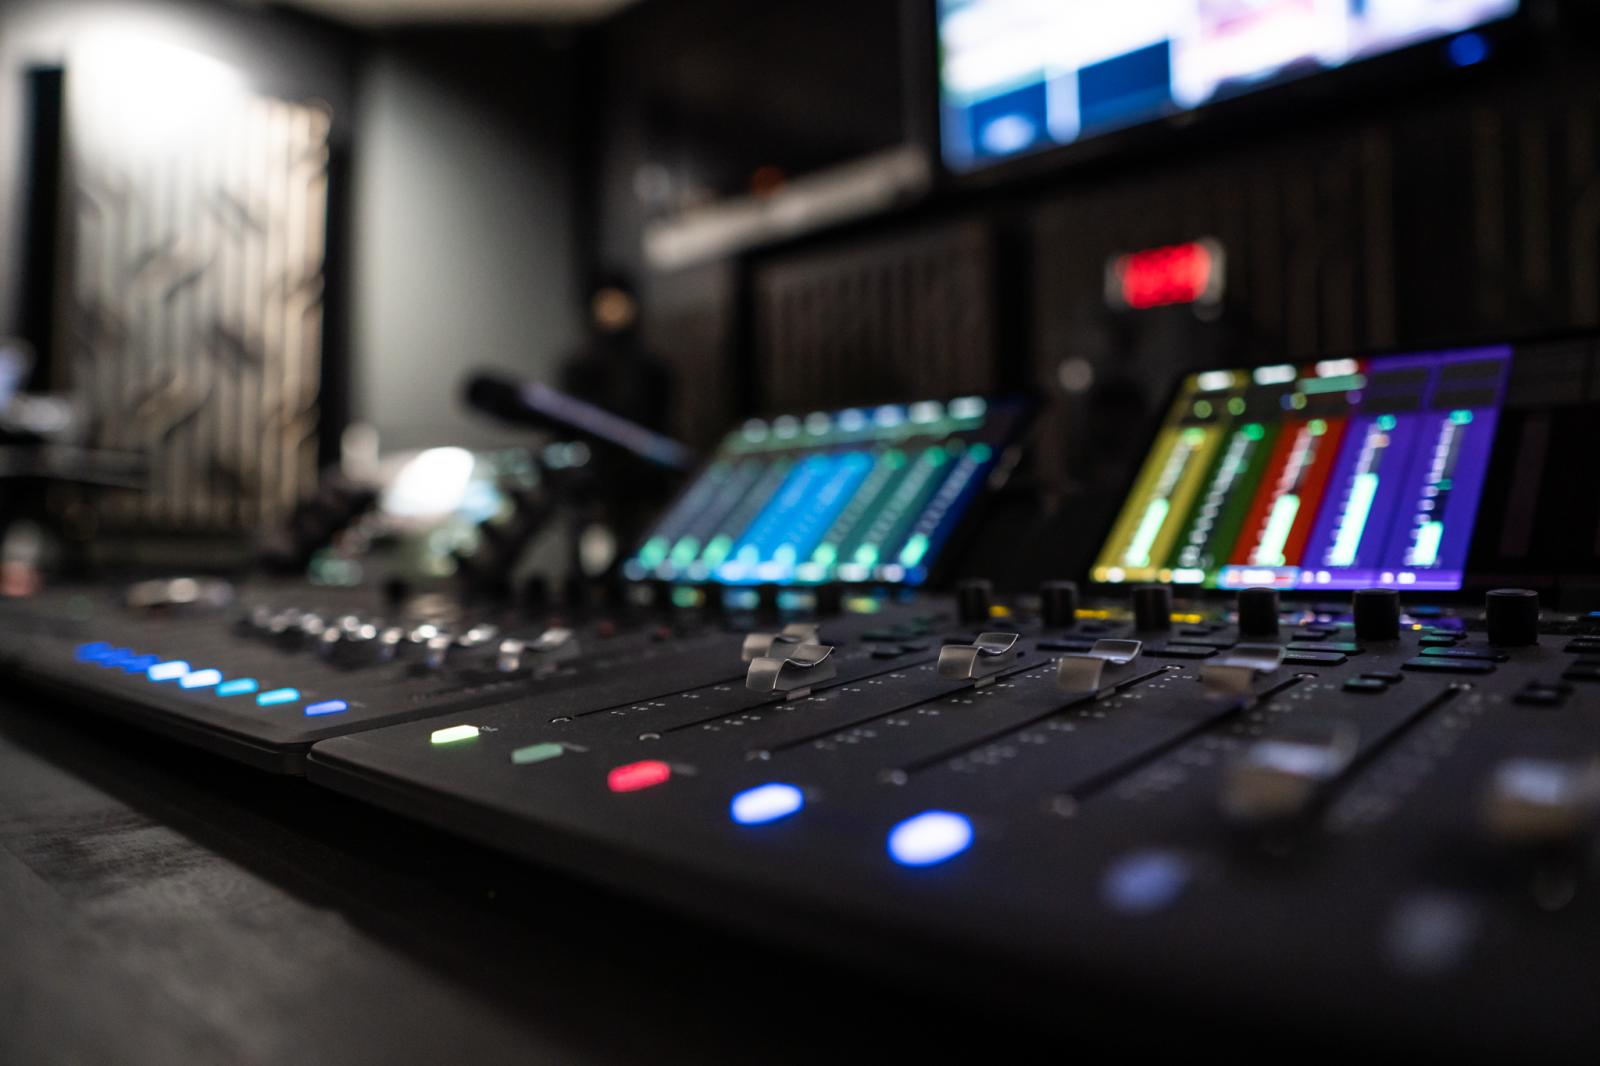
x,y
1189,273
636,776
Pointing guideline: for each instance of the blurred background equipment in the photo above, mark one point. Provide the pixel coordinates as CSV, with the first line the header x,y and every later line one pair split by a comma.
x,y
1018,78
859,495
614,370
1097,496
536,405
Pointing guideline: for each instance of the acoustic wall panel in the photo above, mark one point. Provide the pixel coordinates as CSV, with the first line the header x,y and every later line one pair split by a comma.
x,y
193,310
905,315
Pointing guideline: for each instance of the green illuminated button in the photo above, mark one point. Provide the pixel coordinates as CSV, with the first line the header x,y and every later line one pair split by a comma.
x,y
536,753
453,734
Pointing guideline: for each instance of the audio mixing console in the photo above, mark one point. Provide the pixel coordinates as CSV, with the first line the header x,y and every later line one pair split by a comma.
x,y
1313,775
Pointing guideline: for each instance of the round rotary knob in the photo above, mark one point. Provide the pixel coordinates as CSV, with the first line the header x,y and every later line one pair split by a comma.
x,y
1377,614
1152,608
1258,613
1512,617
1058,604
973,600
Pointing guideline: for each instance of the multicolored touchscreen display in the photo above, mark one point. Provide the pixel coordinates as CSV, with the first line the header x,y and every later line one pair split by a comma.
x,y
1344,474
866,494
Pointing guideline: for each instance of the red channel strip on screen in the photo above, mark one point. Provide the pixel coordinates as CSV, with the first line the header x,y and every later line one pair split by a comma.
x,y
1343,474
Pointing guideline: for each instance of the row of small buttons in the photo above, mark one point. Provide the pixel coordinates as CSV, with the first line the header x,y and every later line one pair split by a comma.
x,y
155,669
925,839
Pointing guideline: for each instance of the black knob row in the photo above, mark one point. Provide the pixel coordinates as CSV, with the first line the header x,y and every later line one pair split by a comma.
x,y
1511,615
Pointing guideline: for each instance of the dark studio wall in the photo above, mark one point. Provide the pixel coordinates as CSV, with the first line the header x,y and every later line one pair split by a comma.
x,y
685,99
464,229
1439,208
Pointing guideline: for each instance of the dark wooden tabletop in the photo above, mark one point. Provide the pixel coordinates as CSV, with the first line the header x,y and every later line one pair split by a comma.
x,y
161,906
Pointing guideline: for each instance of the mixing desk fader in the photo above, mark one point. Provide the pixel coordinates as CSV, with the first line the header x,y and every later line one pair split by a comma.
x,y
1331,757
1360,813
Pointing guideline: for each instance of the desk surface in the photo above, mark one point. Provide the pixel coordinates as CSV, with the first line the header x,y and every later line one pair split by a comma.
x,y
158,905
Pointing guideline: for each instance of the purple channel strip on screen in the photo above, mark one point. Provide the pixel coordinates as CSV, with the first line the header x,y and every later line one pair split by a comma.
x,y
1404,493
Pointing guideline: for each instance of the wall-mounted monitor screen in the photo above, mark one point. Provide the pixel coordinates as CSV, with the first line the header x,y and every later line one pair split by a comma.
x,y
1021,76
1343,474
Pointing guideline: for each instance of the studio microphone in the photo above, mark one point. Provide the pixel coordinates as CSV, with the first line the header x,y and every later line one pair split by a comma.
x,y
536,405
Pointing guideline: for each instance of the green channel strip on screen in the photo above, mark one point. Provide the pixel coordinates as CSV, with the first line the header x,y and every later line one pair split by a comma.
x,y
913,495
1141,545
840,536
1144,534
1218,517
700,513
855,546
1280,523
735,524
684,516
916,547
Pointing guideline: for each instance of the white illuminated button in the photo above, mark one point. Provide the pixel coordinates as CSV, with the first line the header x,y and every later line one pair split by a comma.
x,y
930,838
454,734
200,679
766,803
167,671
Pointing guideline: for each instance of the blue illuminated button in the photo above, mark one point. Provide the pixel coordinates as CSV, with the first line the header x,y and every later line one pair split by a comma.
x,y
137,664
167,671
200,679
766,803
1468,50
239,686
930,838
1145,882
93,653
327,707
116,657
277,696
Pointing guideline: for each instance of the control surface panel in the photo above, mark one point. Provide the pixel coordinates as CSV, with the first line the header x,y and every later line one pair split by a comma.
x,y
1360,809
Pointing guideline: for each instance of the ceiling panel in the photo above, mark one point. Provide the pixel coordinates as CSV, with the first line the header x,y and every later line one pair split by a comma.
x,y
390,12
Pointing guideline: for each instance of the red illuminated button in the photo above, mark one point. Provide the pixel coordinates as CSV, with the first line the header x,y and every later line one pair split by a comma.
x,y
635,776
